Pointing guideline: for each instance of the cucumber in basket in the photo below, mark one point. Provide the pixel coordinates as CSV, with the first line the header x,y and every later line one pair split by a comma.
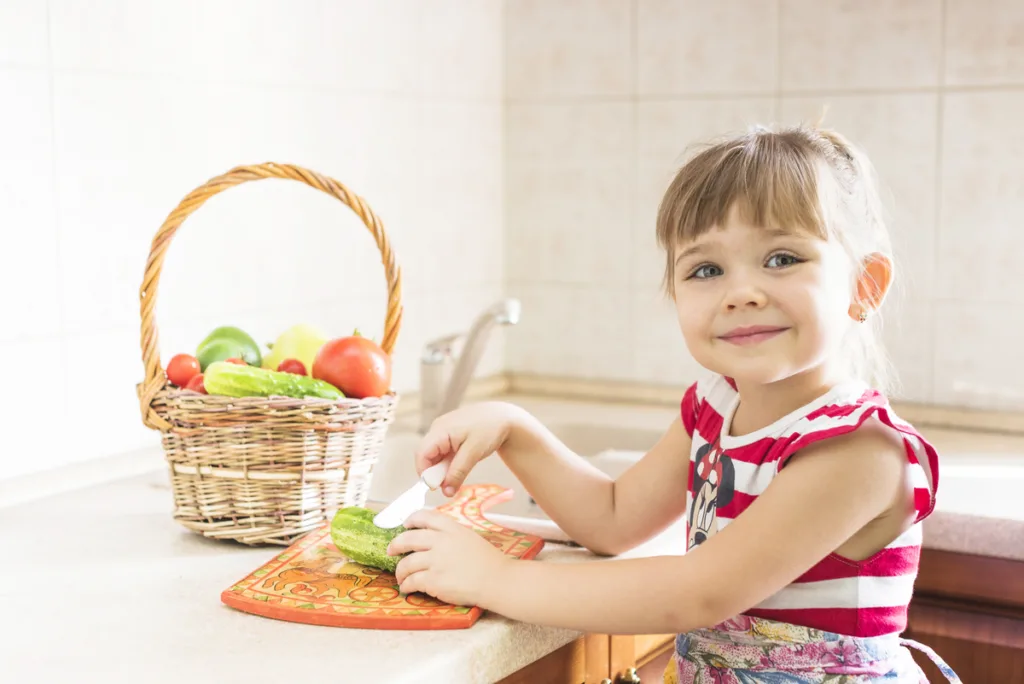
x,y
234,380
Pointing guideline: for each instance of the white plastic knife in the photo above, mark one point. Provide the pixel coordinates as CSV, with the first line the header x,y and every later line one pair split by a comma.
x,y
413,498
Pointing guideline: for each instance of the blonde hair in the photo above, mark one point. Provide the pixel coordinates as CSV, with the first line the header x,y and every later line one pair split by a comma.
x,y
802,177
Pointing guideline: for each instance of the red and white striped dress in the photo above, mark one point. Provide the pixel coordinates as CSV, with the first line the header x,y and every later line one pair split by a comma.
x,y
727,473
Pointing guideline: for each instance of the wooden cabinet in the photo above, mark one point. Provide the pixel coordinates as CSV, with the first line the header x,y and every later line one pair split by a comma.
x,y
600,659
970,610
639,658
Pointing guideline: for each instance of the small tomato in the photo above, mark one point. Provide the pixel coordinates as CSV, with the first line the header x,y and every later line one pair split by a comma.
x,y
357,366
292,366
196,384
182,368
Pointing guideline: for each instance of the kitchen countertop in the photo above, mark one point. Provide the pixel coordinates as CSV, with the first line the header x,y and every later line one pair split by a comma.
x,y
107,588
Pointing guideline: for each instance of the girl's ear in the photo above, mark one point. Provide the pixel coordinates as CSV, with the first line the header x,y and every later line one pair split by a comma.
x,y
873,284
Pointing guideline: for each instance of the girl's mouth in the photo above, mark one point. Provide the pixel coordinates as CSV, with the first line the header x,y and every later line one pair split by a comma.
x,y
752,335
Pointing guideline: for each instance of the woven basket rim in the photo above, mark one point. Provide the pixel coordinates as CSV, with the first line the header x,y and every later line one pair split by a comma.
x,y
155,386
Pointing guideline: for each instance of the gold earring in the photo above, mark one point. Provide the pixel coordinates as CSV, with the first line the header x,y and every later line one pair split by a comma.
x,y
862,316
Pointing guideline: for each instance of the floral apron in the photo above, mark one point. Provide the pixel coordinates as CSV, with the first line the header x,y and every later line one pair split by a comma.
x,y
746,650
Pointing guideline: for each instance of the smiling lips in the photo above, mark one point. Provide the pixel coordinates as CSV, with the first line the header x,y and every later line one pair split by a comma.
x,y
754,334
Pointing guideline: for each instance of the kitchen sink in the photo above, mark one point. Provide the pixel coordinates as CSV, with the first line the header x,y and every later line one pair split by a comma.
x,y
611,449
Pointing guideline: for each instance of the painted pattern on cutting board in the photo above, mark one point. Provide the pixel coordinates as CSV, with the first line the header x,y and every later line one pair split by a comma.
x,y
313,582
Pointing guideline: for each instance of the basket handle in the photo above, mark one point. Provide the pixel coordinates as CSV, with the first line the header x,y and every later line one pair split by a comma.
x,y
155,379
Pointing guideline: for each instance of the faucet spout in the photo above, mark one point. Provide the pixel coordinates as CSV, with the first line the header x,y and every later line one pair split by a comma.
x,y
443,387
505,312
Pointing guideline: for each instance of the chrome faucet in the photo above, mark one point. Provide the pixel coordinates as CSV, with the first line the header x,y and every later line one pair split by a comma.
x,y
445,378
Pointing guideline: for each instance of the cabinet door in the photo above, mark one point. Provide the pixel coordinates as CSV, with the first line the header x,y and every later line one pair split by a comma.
x,y
632,654
583,661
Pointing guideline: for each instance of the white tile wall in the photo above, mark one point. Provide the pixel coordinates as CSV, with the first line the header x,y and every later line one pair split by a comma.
x,y
120,109
864,45
28,275
568,48
983,42
978,347
23,35
555,155
511,148
688,48
980,240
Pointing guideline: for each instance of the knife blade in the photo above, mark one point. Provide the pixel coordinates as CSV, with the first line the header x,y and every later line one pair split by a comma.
x,y
412,499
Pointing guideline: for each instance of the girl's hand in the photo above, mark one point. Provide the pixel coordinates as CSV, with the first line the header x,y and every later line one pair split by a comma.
x,y
446,560
465,436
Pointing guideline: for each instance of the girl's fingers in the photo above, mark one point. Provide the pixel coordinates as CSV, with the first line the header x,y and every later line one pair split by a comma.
x,y
411,541
463,461
430,520
411,564
433,448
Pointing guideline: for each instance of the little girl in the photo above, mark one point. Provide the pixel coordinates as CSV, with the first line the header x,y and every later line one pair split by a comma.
x,y
803,491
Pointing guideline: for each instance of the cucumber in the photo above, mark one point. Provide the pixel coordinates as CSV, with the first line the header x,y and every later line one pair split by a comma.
x,y
234,380
355,535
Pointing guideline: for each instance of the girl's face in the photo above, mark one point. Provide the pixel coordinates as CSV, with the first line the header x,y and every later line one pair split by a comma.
x,y
761,305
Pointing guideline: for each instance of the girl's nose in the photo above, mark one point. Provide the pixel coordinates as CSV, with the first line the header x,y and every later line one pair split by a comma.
x,y
745,297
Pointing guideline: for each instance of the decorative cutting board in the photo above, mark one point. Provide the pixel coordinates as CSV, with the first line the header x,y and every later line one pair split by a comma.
x,y
313,582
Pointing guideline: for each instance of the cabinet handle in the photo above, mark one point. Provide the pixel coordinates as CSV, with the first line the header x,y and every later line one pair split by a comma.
x,y
628,677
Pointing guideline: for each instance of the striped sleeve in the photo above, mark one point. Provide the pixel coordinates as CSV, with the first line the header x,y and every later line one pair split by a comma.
x,y
690,408
840,419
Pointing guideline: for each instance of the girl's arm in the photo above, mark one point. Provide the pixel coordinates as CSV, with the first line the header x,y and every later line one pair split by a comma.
x,y
606,516
819,500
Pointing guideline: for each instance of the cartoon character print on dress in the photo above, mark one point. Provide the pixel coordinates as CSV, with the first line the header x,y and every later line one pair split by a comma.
x,y
714,478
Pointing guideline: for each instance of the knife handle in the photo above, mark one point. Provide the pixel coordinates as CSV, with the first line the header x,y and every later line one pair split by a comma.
x,y
434,475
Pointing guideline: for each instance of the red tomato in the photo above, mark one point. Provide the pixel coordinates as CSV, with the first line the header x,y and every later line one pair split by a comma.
x,y
292,366
182,368
237,361
355,365
196,384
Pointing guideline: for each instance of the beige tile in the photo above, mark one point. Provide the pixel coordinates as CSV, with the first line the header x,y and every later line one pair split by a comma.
x,y
977,356
899,133
568,224
867,44
984,42
707,47
660,355
567,192
567,48
908,336
580,133
572,331
666,133
980,241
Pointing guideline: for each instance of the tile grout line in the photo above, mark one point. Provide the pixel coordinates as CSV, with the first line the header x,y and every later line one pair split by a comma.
x,y
778,61
936,226
545,100
634,199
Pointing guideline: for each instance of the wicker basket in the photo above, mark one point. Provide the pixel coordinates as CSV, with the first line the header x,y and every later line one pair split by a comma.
x,y
263,470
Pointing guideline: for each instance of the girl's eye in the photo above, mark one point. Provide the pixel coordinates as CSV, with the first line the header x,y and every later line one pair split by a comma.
x,y
705,271
781,260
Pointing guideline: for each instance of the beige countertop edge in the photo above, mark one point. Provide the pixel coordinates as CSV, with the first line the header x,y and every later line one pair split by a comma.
x,y
975,534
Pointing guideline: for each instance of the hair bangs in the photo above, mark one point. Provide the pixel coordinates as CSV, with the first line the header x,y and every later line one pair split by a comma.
x,y
770,180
